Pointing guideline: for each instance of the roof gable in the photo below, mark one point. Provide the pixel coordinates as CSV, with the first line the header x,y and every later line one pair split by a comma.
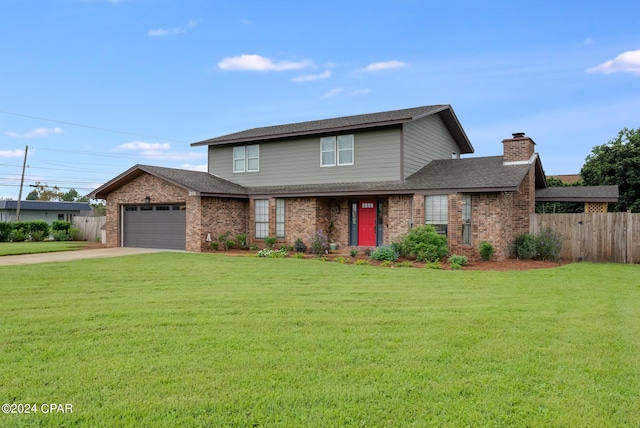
x,y
348,123
200,183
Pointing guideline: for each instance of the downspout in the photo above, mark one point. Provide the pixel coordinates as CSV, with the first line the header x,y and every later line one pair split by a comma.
x,y
411,212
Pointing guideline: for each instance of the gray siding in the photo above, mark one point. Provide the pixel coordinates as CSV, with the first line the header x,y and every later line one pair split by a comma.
x,y
297,161
425,140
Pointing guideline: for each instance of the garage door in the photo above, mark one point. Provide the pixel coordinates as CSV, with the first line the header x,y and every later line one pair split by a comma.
x,y
155,226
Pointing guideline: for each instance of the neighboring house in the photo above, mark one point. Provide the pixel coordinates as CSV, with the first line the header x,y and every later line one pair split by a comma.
x,y
42,210
374,176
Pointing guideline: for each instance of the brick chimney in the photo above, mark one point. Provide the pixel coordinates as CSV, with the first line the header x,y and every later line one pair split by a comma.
x,y
519,148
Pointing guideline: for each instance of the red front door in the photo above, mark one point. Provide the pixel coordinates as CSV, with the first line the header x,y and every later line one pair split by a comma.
x,y
367,214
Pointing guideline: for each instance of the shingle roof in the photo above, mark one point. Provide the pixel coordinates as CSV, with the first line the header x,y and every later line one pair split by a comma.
x,y
202,183
45,205
370,120
578,194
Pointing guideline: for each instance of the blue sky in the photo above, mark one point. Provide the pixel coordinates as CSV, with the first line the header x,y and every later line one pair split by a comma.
x,y
94,87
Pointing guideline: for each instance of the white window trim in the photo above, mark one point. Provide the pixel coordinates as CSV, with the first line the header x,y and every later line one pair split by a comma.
x,y
335,149
245,158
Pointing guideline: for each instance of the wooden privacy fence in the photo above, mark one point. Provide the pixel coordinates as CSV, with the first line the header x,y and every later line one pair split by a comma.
x,y
593,237
89,227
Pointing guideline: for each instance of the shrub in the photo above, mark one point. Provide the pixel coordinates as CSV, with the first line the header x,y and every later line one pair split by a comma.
x,y
386,263
61,225
60,235
229,244
459,260
299,246
434,265
241,239
18,235
456,266
270,241
298,256
273,254
353,252
253,247
5,231
385,253
214,245
319,243
37,226
548,245
38,236
340,260
524,247
486,250
423,243
362,262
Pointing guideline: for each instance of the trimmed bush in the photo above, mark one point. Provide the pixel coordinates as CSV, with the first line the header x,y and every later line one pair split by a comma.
x,y
424,243
387,253
61,225
19,235
299,246
458,260
5,231
270,241
524,247
486,250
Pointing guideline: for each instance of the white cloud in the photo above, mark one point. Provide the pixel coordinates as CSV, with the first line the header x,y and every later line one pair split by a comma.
x,y
628,62
260,63
38,132
174,30
312,77
191,167
11,153
141,145
346,92
386,65
587,42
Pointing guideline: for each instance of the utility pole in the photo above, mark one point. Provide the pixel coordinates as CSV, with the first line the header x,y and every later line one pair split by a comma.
x,y
24,166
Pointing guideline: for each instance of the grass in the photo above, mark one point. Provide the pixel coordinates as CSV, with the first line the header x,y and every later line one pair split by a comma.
x,y
178,339
15,248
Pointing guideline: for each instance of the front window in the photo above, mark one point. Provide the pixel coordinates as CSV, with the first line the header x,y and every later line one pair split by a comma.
x,y
466,219
337,150
246,158
436,210
261,217
279,218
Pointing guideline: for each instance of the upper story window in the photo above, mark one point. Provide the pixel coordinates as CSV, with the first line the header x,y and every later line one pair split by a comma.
x,y
246,158
336,150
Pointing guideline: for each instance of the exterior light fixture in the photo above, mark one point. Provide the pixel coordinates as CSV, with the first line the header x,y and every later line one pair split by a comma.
x,y
147,199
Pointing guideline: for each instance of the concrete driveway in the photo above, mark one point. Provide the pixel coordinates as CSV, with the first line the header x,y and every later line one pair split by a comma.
x,y
64,256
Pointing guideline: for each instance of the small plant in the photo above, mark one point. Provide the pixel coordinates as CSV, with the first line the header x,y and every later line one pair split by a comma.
x,y
549,245
424,243
385,253
486,250
458,260
270,241
368,251
273,254
223,239
340,260
18,235
524,247
288,247
215,245
456,266
229,244
386,263
434,265
404,264
362,262
353,252
299,246
253,247
319,243
241,239
298,256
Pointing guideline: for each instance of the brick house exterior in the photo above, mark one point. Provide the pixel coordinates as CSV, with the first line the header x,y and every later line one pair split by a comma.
x,y
482,199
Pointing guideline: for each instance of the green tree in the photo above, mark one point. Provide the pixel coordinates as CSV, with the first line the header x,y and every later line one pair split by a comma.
x,y
617,162
43,192
32,196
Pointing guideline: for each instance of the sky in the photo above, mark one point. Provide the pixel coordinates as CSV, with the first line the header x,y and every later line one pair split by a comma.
x,y
94,87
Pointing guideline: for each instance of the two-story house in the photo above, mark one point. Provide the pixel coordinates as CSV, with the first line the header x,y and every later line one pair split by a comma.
x,y
372,176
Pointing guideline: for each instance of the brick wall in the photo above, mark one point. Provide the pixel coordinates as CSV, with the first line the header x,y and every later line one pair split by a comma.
x,y
399,221
218,216
518,149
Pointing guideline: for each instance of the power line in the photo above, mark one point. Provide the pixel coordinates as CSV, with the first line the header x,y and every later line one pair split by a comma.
x,y
90,127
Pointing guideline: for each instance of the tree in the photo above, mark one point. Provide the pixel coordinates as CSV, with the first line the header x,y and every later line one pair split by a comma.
x,y
32,196
617,162
43,192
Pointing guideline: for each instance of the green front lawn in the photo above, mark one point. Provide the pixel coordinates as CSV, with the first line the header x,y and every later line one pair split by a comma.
x,y
179,339
15,248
